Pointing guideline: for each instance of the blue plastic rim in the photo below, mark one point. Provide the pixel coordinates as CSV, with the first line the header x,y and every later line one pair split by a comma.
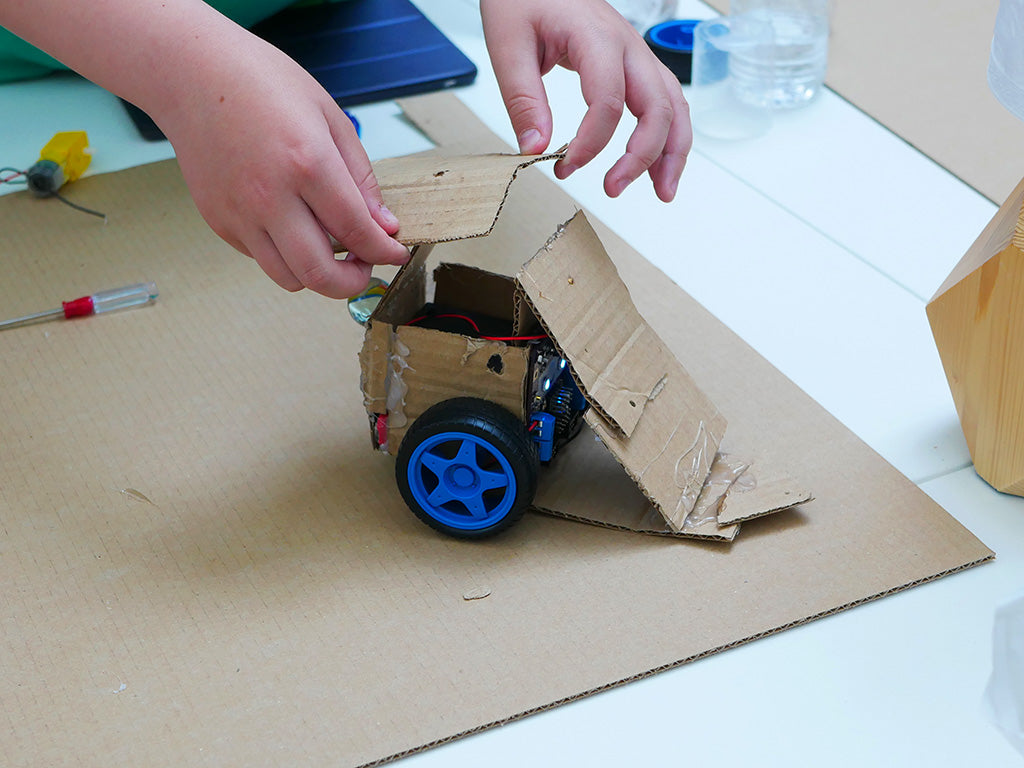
x,y
675,35
461,481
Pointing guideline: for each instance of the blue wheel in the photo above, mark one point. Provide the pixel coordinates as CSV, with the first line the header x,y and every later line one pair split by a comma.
x,y
467,467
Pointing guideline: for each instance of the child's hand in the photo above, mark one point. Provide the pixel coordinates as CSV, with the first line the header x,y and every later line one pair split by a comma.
x,y
275,166
527,38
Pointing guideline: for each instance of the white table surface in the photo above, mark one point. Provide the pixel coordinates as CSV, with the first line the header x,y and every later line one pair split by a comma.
x,y
819,244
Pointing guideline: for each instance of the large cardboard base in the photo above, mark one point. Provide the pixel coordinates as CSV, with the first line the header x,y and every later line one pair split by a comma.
x,y
205,563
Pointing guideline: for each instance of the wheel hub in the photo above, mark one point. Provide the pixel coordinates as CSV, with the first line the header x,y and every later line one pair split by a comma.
x,y
461,478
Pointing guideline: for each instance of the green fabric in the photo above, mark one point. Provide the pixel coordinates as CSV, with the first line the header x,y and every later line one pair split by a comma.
x,y
21,61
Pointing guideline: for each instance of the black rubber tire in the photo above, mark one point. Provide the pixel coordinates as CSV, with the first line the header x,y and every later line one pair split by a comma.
x,y
484,425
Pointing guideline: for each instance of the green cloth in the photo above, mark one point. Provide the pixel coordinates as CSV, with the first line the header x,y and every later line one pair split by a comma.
x,y
21,61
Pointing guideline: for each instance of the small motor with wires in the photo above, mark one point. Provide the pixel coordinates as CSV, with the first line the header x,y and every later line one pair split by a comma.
x,y
64,159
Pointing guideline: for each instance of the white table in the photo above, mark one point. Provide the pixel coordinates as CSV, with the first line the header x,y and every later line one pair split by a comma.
x,y
819,244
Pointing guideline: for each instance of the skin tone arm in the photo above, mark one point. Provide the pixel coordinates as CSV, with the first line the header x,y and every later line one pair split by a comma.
x,y
275,167
273,164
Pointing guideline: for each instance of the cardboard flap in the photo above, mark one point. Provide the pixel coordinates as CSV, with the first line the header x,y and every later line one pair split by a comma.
x,y
624,369
407,291
576,292
438,198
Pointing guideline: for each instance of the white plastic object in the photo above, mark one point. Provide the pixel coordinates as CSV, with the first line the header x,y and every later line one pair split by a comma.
x,y
122,298
796,67
1004,696
720,46
1006,60
643,14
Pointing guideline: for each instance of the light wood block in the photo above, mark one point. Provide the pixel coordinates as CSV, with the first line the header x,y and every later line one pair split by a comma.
x,y
977,318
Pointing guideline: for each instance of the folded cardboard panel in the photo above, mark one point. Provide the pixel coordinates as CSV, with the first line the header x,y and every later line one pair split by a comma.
x,y
204,561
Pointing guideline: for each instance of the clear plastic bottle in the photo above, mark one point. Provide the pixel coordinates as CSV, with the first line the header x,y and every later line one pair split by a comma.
x,y
644,14
798,57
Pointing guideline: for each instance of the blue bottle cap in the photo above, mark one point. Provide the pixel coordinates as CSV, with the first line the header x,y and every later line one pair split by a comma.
x,y
672,43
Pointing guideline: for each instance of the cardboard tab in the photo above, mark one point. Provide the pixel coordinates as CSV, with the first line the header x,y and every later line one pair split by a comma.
x,y
438,198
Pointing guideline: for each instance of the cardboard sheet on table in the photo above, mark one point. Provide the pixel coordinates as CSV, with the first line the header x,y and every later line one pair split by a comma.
x,y
203,561
919,68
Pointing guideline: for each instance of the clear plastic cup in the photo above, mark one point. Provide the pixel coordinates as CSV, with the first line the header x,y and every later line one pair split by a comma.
x,y
720,106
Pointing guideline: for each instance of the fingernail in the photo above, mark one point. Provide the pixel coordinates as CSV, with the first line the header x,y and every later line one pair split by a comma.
x,y
390,220
528,140
565,170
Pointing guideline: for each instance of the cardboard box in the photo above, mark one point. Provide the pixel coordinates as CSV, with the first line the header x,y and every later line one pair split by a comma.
x,y
566,338
203,561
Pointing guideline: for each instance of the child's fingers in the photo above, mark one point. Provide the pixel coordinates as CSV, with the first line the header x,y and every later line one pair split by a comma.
x,y
360,169
516,57
603,83
346,210
296,244
662,134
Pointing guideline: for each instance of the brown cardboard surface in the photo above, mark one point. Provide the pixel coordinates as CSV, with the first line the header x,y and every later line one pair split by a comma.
x,y
205,564
472,190
919,68
646,408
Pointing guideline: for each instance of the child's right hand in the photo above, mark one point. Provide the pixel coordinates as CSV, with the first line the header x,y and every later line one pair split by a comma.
x,y
275,167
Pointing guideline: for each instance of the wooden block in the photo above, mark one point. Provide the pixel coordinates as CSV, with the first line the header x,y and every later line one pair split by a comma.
x,y
977,318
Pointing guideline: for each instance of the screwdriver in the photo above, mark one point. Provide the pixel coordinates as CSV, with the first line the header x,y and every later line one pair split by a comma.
x,y
104,301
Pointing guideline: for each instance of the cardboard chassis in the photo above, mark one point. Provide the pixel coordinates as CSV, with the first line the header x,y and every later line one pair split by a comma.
x,y
204,564
643,405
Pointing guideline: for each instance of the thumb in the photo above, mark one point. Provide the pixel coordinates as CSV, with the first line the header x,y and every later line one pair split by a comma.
x,y
359,167
522,90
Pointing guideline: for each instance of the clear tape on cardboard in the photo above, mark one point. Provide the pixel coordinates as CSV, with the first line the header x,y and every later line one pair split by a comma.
x,y
725,472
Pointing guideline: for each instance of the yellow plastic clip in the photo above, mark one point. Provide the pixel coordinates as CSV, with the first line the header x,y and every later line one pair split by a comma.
x,y
70,151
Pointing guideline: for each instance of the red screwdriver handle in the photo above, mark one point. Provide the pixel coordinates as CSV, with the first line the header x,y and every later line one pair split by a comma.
x,y
78,307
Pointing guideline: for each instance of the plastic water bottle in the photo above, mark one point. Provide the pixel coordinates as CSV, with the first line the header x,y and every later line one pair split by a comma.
x,y
643,14
797,60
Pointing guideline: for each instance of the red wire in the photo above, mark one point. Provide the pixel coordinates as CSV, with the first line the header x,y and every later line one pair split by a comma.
x,y
476,328
12,176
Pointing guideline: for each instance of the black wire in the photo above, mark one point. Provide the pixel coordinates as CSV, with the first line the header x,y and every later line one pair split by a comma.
x,y
78,207
55,194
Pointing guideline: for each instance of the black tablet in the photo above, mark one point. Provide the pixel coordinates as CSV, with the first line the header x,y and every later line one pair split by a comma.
x,y
360,51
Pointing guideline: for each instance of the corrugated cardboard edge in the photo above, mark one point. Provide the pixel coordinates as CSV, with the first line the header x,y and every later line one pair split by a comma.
x,y
710,532
777,494
675,664
397,196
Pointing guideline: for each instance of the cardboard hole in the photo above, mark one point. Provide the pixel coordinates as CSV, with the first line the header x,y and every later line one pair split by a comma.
x,y
632,404
496,364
